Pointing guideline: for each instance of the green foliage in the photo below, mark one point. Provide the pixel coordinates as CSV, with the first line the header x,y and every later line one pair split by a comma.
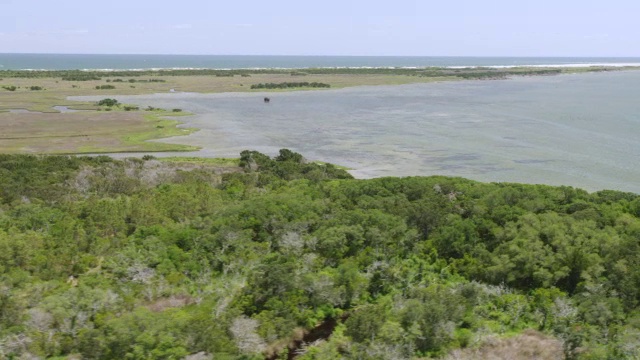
x,y
108,102
144,259
289,85
67,75
134,75
288,165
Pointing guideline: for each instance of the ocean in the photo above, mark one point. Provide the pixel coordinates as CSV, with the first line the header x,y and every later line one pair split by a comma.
x,y
125,62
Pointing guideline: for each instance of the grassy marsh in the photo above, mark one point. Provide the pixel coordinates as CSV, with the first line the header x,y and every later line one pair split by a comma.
x,y
88,132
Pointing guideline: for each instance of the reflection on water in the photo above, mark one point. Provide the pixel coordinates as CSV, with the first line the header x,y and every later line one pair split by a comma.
x,y
578,130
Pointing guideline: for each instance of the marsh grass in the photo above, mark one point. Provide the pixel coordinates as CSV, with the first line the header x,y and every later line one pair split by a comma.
x,y
89,132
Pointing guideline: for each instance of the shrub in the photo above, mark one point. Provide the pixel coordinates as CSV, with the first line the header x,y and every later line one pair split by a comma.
x,y
108,102
81,76
288,85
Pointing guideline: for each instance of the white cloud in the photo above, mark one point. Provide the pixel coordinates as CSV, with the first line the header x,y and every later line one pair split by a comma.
x,y
182,26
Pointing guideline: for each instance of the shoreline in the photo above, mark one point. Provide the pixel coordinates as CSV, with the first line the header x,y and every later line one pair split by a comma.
x,y
221,62
223,135
194,87
431,67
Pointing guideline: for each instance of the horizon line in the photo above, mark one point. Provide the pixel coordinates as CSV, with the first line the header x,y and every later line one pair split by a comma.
x,y
322,55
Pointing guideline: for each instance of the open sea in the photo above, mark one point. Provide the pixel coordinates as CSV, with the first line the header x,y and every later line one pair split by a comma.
x,y
122,62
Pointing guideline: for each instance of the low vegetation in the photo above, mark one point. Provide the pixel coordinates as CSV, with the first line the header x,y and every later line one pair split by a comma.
x,y
115,129
108,102
105,87
74,75
278,257
134,75
290,85
138,80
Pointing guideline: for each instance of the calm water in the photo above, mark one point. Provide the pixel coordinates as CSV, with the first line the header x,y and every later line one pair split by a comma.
x,y
70,62
578,130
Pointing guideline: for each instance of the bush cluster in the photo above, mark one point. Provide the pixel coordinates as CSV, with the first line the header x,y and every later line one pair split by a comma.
x,y
108,102
289,85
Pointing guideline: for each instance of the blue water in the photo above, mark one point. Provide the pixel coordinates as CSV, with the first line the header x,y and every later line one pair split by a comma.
x,y
79,61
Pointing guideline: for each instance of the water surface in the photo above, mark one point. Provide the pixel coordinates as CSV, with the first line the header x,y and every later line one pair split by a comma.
x,y
578,130
129,61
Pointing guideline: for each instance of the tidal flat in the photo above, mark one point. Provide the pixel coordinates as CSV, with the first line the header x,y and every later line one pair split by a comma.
x,y
576,129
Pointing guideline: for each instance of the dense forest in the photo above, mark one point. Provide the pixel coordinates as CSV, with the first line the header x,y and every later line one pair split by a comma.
x,y
280,258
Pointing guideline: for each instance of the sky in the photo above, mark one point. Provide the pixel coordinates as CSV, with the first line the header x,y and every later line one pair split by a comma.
x,y
327,27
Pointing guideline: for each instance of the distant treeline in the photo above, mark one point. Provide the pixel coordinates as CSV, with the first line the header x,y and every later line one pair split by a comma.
x,y
140,80
492,74
290,85
468,73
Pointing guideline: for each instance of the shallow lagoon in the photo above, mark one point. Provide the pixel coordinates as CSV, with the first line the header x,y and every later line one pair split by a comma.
x,y
578,130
